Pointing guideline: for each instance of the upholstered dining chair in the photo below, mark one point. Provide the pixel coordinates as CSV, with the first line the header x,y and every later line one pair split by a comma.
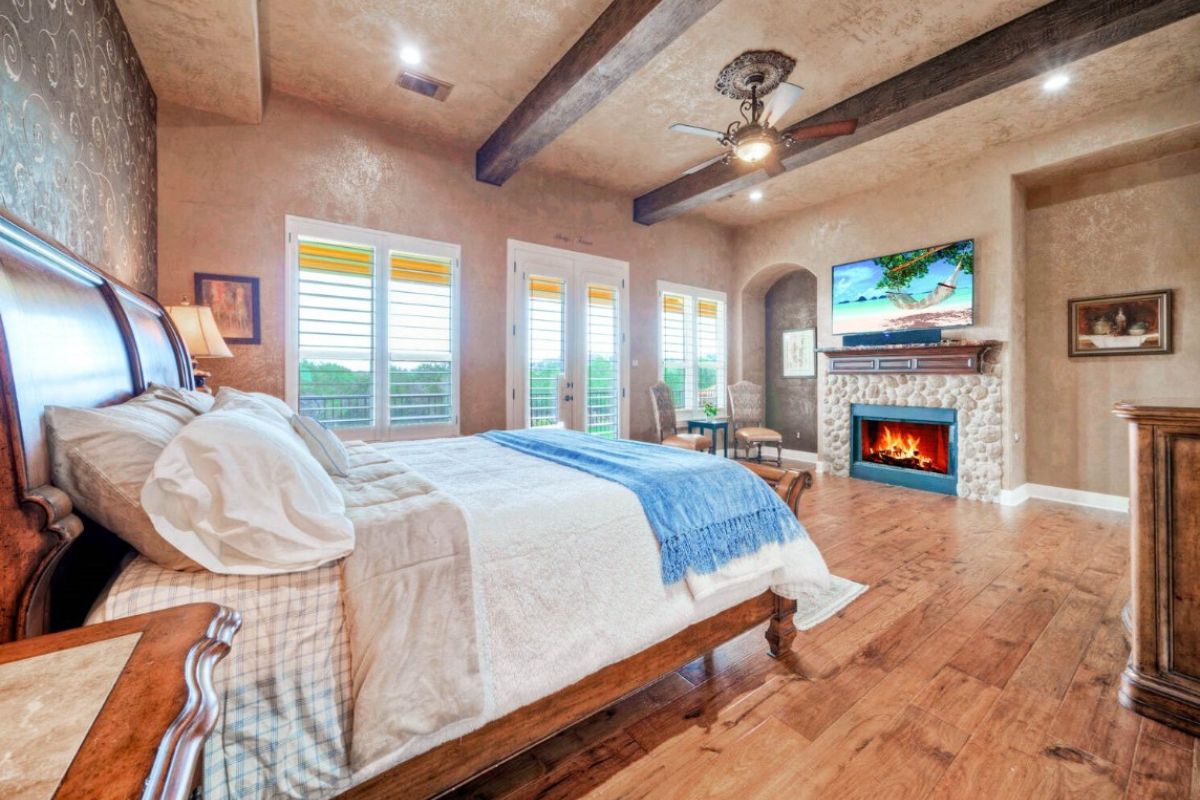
x,y
666,426
746,415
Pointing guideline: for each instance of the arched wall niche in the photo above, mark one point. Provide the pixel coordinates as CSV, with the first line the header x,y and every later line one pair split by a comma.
x,y
776,298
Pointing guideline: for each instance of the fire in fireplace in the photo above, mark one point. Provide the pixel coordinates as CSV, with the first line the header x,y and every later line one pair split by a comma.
x,y
905,445
912,445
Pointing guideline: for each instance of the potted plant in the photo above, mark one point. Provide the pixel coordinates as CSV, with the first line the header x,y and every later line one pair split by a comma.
x,y
710,411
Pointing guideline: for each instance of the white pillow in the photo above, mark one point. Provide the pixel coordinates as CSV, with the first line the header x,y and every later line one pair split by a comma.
x,y
241,496
271,409
198,402
324,445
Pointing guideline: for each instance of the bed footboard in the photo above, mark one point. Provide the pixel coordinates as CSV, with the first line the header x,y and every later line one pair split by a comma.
x,y
789,484
782,629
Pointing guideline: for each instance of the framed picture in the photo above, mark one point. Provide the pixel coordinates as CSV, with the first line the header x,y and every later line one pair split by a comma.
x,y
1120,324
800,353
234,303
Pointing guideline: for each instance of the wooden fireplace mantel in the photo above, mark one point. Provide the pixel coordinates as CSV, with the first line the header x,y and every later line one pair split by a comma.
x,y
943,358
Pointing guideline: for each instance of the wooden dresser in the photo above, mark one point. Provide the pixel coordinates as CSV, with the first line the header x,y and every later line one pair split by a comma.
x,y
1162,680
115,710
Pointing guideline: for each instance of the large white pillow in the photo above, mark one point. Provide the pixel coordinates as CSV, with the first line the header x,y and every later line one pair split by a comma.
x,y
270,408
242,495
199,402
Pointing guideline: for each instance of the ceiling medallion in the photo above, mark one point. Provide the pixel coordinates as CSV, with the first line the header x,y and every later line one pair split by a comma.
x,y
754,72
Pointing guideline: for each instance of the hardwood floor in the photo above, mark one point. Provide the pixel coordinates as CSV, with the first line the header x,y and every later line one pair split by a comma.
x,y
983,663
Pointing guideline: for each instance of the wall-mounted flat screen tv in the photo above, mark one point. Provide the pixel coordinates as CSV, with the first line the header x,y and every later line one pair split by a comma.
x,y
918,290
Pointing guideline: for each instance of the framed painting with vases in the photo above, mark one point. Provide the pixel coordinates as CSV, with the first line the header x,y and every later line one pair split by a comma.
x,y
1120,324
234,303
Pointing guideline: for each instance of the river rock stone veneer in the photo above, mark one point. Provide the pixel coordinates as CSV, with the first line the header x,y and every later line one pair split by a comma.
x,y
977,399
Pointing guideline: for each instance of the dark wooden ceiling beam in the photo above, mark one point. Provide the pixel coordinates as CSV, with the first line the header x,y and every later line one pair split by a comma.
x,y
1036,43
621,40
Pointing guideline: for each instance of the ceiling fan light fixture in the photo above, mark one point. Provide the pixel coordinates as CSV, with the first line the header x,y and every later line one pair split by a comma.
x,y
754,145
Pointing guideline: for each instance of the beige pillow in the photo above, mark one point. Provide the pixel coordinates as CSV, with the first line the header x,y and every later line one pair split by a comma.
x,y
101,457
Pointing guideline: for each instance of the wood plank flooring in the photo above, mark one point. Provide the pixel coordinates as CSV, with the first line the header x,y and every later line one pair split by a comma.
x,y
982,663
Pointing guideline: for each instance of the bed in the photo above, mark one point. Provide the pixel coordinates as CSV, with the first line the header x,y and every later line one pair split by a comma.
x,y
73,336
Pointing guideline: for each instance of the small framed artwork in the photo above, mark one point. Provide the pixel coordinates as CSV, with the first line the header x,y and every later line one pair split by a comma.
x,y
1120,324
800,353
234,303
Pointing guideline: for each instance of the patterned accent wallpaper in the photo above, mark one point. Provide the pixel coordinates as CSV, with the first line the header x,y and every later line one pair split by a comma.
x,y
78,154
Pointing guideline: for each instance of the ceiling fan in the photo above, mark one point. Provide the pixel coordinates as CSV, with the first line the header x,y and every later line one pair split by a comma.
x,y
756,138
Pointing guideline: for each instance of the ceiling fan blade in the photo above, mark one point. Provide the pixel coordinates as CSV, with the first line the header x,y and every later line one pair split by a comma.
x,y
704,164
773,165
696,130
842,128
779,101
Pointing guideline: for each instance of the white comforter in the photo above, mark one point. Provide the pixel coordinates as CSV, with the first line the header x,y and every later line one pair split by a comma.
x,y
564,580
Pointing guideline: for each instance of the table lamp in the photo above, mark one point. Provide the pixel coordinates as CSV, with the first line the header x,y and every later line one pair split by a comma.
x,y
200,333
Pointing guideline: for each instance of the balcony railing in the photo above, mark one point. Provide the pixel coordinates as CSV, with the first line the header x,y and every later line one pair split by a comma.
x,y
357,410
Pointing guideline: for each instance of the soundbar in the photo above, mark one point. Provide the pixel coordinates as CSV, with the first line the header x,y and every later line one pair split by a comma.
x,y
930,336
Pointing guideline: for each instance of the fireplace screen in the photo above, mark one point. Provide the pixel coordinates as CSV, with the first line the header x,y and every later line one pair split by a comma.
x,y
921,446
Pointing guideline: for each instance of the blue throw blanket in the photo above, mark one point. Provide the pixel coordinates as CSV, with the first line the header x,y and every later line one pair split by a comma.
x,y
706,511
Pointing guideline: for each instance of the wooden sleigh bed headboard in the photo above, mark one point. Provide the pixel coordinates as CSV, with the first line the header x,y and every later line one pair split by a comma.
x,y
69,335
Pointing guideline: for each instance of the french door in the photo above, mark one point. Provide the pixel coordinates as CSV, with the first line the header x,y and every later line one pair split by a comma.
x,y
568,353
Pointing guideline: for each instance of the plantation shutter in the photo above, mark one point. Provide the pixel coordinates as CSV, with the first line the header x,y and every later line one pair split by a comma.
x,y
420,325
547,359
678,348
335,320
603,361
710,352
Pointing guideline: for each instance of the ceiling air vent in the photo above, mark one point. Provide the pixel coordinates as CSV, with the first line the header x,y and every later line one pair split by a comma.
x,y
424,85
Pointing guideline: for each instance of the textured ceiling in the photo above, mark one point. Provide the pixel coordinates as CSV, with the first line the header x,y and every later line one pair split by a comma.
x,y
841,47
1166,59
345,54
201,55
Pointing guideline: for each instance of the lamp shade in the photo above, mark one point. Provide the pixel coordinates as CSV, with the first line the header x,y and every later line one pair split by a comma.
x,y
199,331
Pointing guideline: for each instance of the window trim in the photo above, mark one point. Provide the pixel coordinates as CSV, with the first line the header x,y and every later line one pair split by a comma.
x,y
696,293
383,242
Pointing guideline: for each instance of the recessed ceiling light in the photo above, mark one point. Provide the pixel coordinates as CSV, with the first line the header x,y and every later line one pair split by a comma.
x,y
410,55
1057,81
756,195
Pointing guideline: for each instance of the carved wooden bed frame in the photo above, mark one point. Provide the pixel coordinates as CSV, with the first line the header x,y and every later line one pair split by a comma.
x,y
72,335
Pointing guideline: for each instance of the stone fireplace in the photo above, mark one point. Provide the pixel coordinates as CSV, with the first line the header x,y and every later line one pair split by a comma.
x,y
970,400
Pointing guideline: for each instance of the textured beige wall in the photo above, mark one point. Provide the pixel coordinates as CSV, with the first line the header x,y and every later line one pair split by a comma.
x,y
977,198
224,191
1129,229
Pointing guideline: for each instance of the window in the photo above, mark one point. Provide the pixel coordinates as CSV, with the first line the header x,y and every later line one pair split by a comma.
x,y
692,345
373,318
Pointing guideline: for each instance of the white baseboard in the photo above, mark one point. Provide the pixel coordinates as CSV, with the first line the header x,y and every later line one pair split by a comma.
x,y
1058,494
802,455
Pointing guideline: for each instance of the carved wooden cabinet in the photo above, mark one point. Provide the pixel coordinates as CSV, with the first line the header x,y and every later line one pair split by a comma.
x,y
112,711
1162,680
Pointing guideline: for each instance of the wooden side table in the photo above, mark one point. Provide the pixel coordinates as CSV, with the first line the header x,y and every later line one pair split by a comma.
x,y
712,426
115,710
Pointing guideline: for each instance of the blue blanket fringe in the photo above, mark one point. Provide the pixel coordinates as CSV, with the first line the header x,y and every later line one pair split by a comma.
x,y
705,511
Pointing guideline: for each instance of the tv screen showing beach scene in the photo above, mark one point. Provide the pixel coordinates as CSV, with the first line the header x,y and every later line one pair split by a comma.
x,y
917,290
